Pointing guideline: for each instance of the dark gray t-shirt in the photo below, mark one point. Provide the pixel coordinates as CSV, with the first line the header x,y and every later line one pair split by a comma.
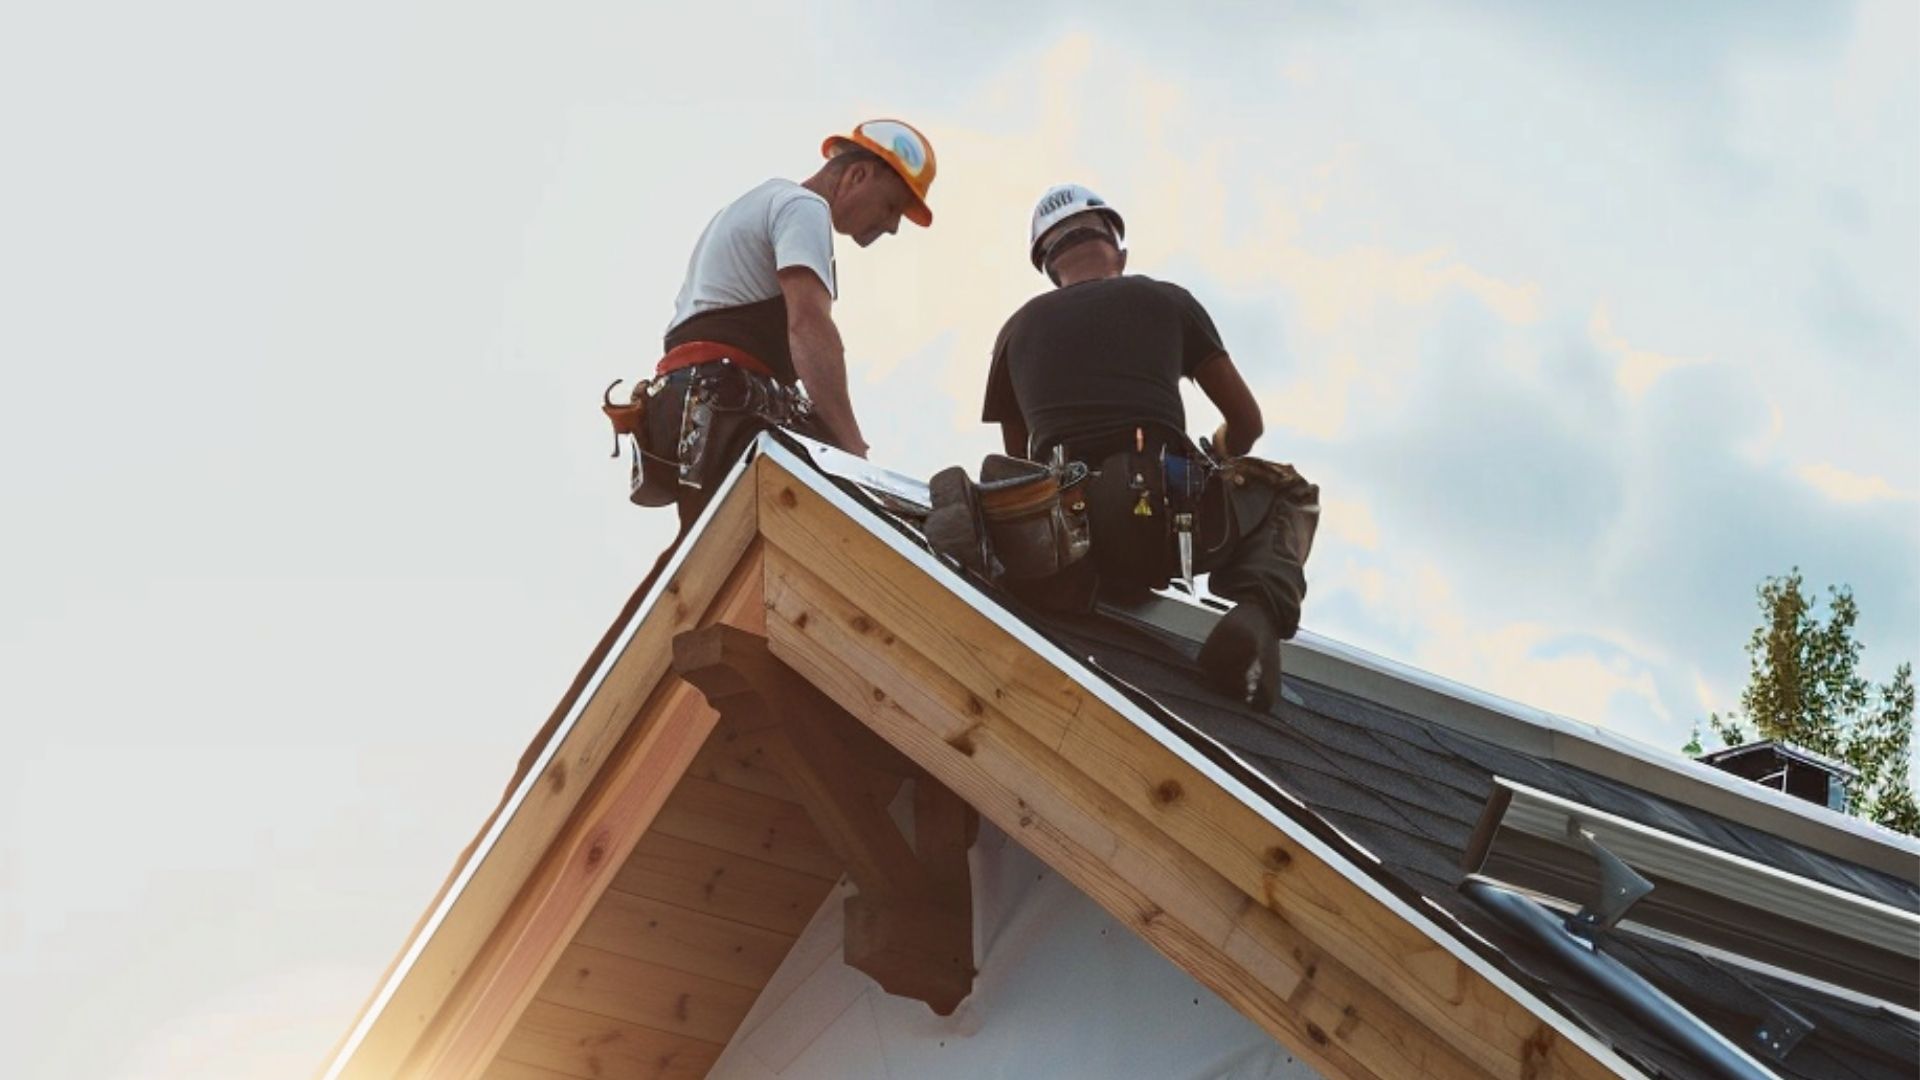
x,y
1099,358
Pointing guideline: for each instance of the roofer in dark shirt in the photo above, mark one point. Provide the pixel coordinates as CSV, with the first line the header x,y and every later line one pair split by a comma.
x,y
1091,373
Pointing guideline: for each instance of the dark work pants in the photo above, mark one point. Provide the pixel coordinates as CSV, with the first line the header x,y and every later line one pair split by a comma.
x,y
1274,512
1254,528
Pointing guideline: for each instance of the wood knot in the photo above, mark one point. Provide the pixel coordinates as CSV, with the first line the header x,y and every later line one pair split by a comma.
x,y
597,851
976,706
963,742
1279,858
861,623
788,499
1167,792
1349,1020
800,620
557,776
879,694
1316,1033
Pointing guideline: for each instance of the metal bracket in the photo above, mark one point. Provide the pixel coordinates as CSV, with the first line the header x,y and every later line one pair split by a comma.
x,y
1780,1031
1620,888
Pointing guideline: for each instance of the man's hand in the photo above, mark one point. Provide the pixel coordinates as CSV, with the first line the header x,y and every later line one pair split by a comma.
x,y
819,358
1222,384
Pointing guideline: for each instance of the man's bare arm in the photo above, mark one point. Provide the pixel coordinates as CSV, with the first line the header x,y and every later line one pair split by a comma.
x,y
1222,384
818,356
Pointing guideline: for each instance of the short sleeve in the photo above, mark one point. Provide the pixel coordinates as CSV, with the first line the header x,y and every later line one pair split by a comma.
x,y
1001,404
1199,339
802,230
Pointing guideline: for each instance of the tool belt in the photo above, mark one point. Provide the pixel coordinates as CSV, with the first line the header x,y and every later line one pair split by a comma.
x,y
1023,521
685,425
1140,517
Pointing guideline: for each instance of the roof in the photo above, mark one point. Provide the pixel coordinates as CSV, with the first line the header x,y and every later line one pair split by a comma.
x,y
1304,864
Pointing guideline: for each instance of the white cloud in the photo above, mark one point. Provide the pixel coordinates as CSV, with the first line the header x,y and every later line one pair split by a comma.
x,y
1849,487
1638,368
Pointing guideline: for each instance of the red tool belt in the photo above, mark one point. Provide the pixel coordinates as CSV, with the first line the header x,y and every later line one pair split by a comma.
x,y
706,352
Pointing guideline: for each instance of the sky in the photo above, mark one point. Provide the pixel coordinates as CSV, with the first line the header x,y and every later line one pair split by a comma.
x,y
1586,318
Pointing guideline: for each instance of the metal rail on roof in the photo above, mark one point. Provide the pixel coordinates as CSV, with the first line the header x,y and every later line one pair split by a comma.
x,y
1538,813
1529,838
1627,990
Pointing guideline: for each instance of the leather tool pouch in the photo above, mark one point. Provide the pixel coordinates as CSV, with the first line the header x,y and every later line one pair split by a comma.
x,y
1256,492
1035,516
1024,525
696,422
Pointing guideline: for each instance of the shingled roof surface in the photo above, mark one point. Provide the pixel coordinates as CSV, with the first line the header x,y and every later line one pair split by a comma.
x,y
1408,792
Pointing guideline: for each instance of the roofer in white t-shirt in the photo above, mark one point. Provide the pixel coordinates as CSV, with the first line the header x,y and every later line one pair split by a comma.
x,y
754,316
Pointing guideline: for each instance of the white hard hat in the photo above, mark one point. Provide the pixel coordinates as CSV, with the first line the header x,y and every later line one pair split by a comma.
x,y
1063,201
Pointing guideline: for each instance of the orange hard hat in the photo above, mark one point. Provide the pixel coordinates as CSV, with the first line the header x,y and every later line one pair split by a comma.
x,y
901,146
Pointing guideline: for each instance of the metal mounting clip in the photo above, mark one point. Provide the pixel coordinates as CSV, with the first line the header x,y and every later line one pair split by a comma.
x,y
1620,888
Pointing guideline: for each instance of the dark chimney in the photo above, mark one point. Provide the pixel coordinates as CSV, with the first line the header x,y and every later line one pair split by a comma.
x,y
1789,768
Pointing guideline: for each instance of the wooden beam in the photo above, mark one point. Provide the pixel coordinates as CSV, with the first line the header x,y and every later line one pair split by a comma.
x,y
910,927
419,995
922,947
756,692
903,619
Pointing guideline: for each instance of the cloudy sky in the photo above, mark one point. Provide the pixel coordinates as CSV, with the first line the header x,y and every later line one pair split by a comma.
x,y
1586,318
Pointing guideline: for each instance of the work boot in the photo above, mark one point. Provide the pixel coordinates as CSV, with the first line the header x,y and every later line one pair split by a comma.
x,y
1242,657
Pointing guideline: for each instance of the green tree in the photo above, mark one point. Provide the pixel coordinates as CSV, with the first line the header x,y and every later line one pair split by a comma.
x,y
1805,688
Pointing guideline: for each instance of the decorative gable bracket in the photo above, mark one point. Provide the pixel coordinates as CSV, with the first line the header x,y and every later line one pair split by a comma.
x,y
910,926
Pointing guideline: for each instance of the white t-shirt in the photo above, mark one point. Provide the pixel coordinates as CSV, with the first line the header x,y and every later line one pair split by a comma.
x,y
776,225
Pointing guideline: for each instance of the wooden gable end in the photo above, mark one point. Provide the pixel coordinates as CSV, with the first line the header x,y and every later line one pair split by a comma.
x,y
623,917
